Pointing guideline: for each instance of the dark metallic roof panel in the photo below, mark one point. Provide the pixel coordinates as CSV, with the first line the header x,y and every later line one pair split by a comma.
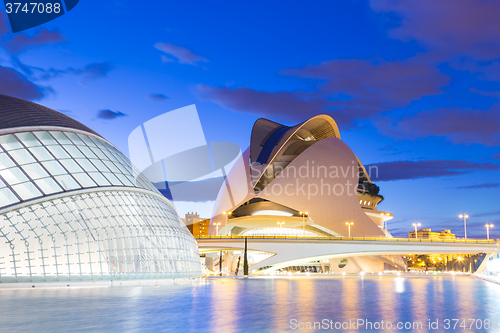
x,y
15,112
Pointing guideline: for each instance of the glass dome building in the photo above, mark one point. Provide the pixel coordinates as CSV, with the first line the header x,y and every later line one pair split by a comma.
x,y
73,208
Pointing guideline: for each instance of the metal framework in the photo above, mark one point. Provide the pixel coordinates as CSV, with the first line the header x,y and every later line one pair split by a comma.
x,y
73,208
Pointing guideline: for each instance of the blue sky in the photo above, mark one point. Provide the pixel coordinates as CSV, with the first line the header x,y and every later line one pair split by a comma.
x,y
413,85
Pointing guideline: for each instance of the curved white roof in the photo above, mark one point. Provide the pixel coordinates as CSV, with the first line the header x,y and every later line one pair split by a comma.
x,y
278,155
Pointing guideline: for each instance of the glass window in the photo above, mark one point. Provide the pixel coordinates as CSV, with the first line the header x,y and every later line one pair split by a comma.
x,y
35,171
71,166
84,180
118,155
100,166
128,169
112,178
28,139
99,153
48,185
86,165
122,168
58,152
140,183
5,161
45,138
122,160
41,153
22,156
87,152
132,180
108,146
73,151
111,166
9,142
124,179
87,140
76,140
27,190
13,176
54,168
61,138
7,197
99,179
67,182
110,156
2,184
97,142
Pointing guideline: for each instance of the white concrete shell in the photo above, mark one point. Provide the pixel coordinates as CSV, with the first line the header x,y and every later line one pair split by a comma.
x,y
330,201
270,171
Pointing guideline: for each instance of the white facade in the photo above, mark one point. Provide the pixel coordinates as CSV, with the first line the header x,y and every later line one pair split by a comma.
x,y
306,169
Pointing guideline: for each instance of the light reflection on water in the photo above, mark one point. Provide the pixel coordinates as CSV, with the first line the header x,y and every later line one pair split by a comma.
x,y
251,305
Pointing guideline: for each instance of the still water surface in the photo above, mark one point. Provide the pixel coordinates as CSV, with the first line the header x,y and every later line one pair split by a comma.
x,y
250,305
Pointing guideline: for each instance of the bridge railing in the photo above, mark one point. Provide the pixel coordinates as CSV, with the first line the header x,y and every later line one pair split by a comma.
x,y
458,240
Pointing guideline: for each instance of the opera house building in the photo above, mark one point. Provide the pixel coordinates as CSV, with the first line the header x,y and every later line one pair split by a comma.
x,y
303,181
73,208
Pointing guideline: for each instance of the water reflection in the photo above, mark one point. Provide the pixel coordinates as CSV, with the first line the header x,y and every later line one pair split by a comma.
x,y
250,305
349,298
399,285
420,298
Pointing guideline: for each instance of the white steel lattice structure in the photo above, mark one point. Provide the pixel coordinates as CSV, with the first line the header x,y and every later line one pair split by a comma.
x,y
73,208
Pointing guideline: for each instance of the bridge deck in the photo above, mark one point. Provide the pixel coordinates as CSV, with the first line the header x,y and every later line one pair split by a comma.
x,y
287,251
418,240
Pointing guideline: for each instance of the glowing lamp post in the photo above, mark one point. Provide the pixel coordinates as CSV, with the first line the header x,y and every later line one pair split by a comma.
x,y
217,226
488,226
281,225
226,214
465,217
416,225
348,224
304,215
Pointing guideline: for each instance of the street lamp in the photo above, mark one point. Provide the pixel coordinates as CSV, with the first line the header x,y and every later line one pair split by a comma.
x,y
348,224
217,226
304,215
488,226
281,224
416,225
465,217
385,219
226,214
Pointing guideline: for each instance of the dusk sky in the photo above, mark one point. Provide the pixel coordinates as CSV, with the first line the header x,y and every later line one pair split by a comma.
x,y
413,85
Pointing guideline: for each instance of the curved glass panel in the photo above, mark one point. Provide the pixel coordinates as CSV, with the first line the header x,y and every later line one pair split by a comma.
x,y
100,235
39,163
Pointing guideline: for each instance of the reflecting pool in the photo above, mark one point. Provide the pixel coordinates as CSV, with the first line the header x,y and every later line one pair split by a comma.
x,y
257,305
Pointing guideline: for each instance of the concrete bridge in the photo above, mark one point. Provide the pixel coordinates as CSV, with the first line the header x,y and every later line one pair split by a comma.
x,y
291,251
